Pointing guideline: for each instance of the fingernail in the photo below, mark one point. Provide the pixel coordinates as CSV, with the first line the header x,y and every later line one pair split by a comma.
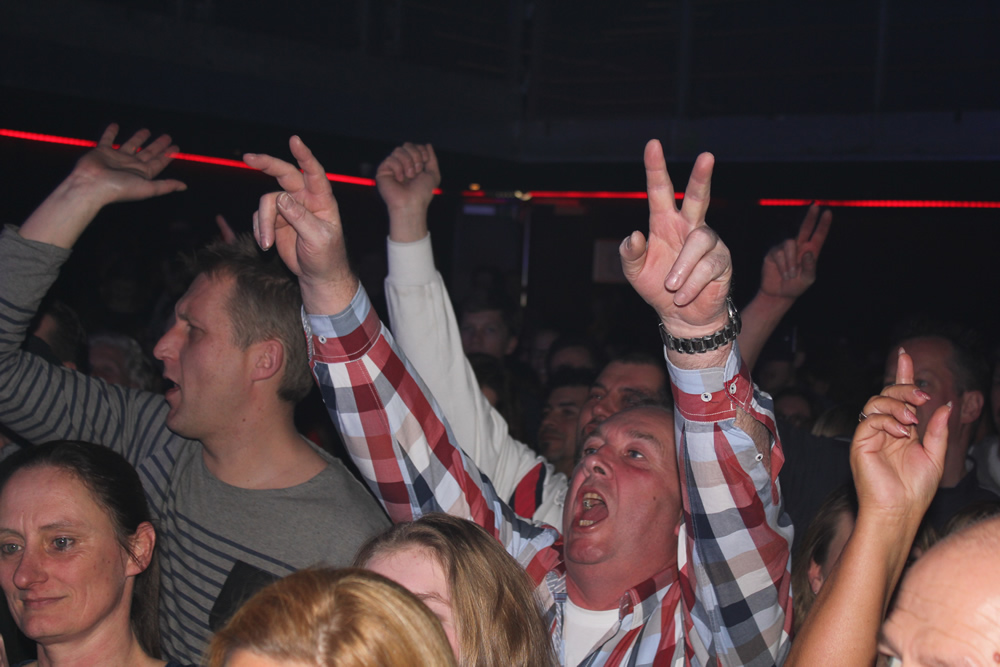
x,y
250,155
909,415
902,430
628,242
920,393
949,406
901,351
285,201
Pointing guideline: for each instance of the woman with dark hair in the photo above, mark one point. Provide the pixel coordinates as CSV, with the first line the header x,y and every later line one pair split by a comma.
x,y
78,555
482,596
821,547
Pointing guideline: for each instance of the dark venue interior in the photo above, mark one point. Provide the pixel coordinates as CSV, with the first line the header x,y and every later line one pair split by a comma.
x,y
833,101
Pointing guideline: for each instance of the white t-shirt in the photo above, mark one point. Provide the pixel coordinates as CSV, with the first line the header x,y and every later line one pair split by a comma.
x,y
582,629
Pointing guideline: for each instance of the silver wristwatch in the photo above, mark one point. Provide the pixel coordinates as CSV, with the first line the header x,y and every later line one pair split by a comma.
x,y
706,343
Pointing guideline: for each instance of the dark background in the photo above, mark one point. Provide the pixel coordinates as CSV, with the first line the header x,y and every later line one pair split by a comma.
x,y
830,100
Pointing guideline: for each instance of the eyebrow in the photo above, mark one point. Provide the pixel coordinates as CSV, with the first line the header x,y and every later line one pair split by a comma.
x,y
636,434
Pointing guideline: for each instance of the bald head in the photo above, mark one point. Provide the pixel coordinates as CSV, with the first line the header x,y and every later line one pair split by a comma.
x,y
949,603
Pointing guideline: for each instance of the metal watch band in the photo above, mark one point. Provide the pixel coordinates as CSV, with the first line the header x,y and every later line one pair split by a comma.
x,y
706,343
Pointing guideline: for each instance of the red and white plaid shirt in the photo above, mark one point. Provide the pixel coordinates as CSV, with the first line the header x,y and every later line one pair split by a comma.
x,y
728,602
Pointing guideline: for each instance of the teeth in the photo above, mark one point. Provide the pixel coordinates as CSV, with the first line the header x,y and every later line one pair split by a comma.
x,y
587,503
585,522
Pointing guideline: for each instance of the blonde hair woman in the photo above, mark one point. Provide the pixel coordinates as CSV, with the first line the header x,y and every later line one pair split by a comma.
x,y
323,617
484,599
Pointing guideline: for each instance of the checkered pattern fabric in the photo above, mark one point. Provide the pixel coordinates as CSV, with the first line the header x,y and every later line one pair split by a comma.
x,y
728,602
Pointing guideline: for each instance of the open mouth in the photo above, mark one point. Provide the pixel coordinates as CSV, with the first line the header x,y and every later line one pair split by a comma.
x,y
593,509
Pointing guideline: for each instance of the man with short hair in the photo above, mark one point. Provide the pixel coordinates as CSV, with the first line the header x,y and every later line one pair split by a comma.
x,y
568,390
947,607
948,367
673,551
240,497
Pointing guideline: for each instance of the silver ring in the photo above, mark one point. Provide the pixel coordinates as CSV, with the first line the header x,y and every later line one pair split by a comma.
x,y
861,417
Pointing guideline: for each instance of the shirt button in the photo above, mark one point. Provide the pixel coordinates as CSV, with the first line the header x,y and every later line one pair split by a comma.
x,y
706,397
759,457
321,339
732,388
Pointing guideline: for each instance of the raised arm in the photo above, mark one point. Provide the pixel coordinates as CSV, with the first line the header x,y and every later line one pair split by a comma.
x,y
43,401
392,428
103,176
424,325
896,476
728,453
789,270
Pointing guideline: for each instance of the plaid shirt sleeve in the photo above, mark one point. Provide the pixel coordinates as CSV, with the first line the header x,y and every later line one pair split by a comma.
x,y
397,435
734,544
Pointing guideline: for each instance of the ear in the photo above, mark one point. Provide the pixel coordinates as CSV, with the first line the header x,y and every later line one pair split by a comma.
x,y
815,577
143,543
511,345
972,406
268,359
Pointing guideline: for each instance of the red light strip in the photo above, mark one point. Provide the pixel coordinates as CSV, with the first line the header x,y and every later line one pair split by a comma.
x,y
543,194
189,157
881,203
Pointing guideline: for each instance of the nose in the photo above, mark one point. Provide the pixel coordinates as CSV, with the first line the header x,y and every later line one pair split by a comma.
x,y
167,344
604,408
596,464
29,570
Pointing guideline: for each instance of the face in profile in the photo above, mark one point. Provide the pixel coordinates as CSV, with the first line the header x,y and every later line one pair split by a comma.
x,y
418,570
62,569
205,368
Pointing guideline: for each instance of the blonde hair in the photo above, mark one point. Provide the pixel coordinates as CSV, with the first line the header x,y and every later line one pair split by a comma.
x,y
498,620
323,616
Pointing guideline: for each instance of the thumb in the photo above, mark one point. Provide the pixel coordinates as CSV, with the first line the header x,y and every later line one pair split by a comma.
x,y
936,435
633,254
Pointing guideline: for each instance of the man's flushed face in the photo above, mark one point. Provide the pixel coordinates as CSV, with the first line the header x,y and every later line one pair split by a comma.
x,y
619,386
557,434
947,609
485,332
624,503
207,369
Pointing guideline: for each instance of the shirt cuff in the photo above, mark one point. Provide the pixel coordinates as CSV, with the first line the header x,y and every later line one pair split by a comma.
x,y
343,336
411,263
712,394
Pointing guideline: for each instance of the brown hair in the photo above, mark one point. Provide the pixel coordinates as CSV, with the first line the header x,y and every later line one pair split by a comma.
x,y
497,617
815,546
323,616
265,303
115,486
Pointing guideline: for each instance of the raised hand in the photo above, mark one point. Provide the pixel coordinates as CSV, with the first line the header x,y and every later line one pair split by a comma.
x,y
104,175
683,269
894,472
303,221
790,267
127,173
406,181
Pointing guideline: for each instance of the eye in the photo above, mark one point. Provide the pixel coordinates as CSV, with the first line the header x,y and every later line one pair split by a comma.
x,y
588,450
635,454
594,396
9,549
62,543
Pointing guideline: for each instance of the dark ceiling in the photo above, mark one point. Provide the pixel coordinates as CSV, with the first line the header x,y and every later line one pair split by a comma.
x,y
531,81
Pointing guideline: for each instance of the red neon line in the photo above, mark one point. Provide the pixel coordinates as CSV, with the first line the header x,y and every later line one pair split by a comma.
x,y
543,194
881,203
189,157
48,138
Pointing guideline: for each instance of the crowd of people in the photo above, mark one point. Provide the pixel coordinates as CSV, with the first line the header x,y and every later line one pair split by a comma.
x,y
578,504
